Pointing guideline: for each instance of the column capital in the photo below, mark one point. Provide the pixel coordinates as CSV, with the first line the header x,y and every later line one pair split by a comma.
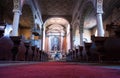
x,y
17,11
17,6
99,6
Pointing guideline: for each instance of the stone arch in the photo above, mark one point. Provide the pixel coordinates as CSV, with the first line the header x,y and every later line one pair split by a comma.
x,y
87,20
64,25
26,21
86,9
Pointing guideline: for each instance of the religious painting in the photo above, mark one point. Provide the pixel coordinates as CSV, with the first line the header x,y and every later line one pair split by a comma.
x,y
55,43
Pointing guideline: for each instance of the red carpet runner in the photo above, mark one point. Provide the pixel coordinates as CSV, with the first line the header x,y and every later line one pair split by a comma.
x,y
57,70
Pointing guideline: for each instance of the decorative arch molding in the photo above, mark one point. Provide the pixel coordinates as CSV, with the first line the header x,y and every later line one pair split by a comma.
x,y
67,17
62,27
85,9
35,12
59,22
33,15
67,22
18,6
84,5
26,22
98,7
27,18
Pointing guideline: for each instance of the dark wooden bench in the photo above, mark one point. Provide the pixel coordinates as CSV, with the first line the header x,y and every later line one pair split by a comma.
x,y
6,45
97,49
87,48
111,49
19,49
107,48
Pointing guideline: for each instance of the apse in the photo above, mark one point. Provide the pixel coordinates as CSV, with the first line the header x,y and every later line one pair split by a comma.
x,y
56,36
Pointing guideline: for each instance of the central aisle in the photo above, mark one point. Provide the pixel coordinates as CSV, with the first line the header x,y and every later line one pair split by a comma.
x,y
57,70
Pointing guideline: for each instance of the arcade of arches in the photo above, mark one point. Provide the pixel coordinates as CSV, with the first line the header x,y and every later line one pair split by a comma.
x,y
57,28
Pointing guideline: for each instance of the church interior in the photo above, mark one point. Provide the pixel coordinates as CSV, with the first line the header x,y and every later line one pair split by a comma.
x,y
49,38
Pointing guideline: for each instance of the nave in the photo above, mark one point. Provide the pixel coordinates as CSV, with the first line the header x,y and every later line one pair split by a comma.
x,y
59,38
59,70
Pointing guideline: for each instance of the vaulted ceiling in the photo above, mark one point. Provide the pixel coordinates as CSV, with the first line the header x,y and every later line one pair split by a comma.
x,y
59,8
56,7
50,8
56,26
108,7
61,12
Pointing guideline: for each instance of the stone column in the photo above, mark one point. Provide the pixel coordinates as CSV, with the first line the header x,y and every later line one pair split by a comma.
x,y
17,13
16,23
42,38
50,44
71,39
81,38
100,25
39,44
61,44
99,11
81,31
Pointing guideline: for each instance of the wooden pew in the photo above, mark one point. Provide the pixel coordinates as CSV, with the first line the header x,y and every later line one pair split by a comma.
x,y
30,53
22,50
34,51
69,56
97,48
111,49
107,48
18,50
44,56
80,53
87,48
37,54
75,54
6,45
